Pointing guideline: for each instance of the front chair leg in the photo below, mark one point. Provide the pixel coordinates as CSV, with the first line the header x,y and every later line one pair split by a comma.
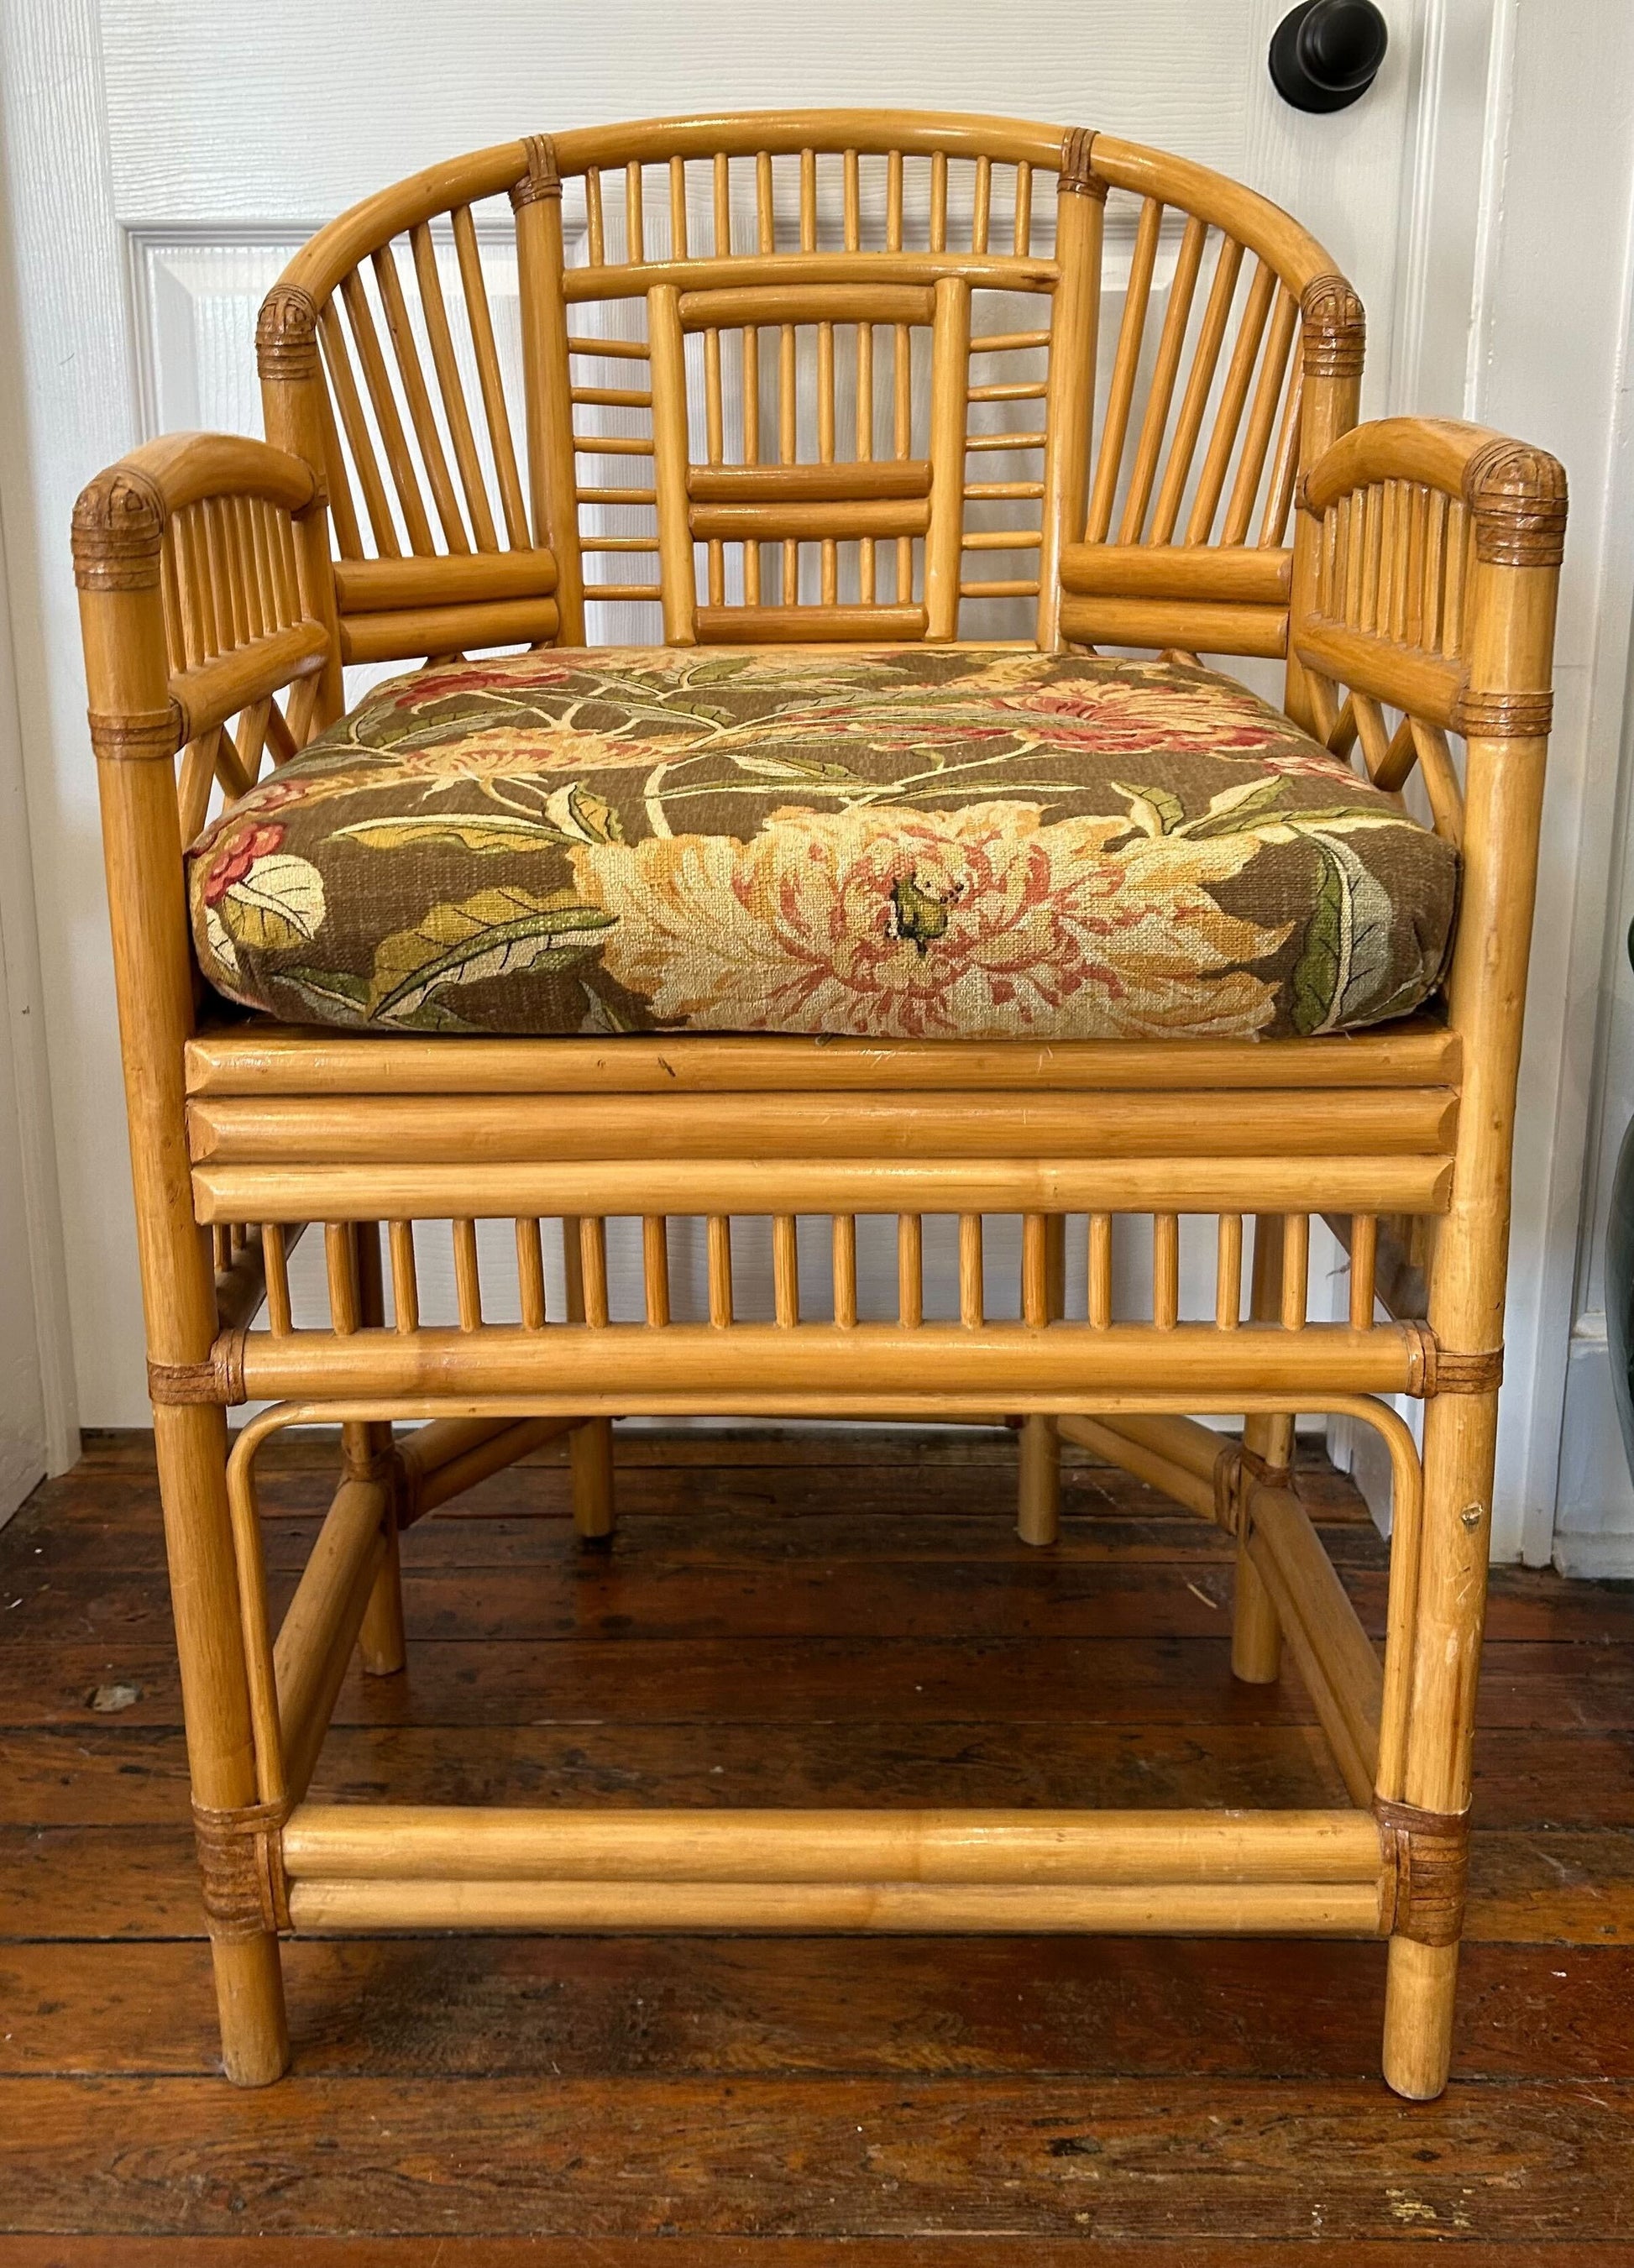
x,y
192,1448
1459,1437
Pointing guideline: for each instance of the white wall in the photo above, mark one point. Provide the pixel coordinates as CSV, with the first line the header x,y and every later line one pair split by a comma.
x,y
1551,342
38,1425
23,1454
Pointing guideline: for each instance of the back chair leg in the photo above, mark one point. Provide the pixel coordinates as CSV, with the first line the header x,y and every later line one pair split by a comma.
x,y
192,1447
590,1445
1460,1436
590,1453
1038,1482
1256,1632
382,1644
1043,1289
380,1640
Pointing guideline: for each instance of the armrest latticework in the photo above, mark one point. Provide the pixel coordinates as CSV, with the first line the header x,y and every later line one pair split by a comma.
x,y
206,598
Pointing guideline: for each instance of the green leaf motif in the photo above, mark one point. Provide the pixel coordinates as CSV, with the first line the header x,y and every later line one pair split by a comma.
x,y
495,933
1153,809
1230,811
479,834
1344,959
327,990
583,817
789,770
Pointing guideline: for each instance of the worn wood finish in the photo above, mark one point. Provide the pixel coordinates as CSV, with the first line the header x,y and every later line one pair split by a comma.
x,y
1245,2067
834,272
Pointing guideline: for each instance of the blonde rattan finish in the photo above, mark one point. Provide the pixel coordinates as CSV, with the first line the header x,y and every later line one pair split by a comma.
x,y
898,429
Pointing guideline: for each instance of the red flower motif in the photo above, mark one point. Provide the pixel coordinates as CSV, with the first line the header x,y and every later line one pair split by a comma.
x,y
526,669
236,856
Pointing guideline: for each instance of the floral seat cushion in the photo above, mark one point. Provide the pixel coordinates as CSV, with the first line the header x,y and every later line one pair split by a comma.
x,y
902,844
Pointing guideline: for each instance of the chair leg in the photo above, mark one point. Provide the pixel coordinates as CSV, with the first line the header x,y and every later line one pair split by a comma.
x,y
192,1448
1256,1632
1038,1499
1460,1436
381,1644
1038,1479
380,1641
590,1453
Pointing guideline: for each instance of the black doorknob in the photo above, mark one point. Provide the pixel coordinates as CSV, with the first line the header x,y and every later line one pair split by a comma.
x,y
1326,53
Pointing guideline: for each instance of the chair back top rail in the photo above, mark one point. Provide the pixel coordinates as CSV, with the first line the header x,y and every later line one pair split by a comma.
x,y
828,292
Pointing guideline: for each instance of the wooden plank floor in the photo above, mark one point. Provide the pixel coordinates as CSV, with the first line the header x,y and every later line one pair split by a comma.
x,y
819,1619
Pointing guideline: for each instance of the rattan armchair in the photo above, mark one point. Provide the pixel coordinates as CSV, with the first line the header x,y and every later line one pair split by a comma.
x,y
1196,481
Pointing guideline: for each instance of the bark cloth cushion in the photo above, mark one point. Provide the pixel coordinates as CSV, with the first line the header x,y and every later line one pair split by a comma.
x,y
902,844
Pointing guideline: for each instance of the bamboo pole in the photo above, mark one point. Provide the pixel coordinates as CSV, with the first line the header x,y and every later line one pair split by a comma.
x,y
1256,1635
669,436
444,1188
367,1451
1517,500
382,1646
320,1626
497,1129
1124,1908
1075,316
464,1452
1334,1653
1038,1482
950,380
461,1843
263,1059
590,1445
552,472
1038,1475
1156,1450
590,1454
293,413
117,568
605,1372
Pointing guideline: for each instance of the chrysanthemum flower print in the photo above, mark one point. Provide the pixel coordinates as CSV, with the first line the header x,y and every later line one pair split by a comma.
x,y
925,924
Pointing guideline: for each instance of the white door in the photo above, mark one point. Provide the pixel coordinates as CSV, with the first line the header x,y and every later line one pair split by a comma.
x,y
165,155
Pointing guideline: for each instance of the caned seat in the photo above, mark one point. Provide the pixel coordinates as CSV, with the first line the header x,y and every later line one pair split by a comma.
x,y
899,843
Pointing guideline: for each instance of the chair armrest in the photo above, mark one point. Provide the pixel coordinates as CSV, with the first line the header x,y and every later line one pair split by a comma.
x,y
1425,560
225,537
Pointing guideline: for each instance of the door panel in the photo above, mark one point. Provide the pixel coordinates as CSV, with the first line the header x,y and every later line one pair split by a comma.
x,y
226,134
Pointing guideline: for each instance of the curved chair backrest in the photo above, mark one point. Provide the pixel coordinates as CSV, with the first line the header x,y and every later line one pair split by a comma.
x,y
811,375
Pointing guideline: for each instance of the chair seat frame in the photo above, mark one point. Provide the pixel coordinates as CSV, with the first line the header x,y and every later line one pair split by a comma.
x,y
1420,581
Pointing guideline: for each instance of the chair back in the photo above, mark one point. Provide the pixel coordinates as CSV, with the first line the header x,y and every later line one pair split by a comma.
x,y
847,375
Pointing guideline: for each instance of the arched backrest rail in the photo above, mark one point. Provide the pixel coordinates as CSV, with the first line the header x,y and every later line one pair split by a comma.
x,y
802,292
